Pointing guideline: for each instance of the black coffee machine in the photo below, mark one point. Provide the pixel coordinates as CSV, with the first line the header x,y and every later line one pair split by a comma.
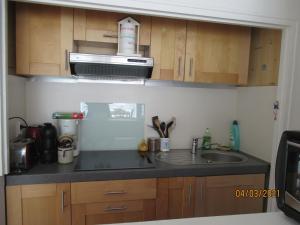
x,y
48,150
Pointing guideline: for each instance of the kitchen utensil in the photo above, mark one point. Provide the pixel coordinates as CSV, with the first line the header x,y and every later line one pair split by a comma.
x,y
163,128
170,126
156,125
21,154
48,152
153,144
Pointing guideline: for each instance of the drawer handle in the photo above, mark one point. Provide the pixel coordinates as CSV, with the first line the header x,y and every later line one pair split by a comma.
x,y
110,36
109,208
115,193
191,66
66,59
190,195
62,202
179,66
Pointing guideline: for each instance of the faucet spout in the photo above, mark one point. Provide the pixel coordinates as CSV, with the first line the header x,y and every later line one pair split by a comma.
x,y
195,146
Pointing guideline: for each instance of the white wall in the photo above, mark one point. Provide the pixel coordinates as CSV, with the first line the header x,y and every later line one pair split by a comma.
x,y
16,102
255,114
194,108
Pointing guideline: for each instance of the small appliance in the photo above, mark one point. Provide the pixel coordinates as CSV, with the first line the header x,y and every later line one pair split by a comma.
x,y
35,133
21,155
70,127
96,66
287,174
48,151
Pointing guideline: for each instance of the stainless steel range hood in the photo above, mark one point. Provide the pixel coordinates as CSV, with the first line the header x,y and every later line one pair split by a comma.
x,y
94,66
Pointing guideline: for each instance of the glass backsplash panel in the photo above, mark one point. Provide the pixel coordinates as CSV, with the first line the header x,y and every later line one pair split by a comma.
x,y
111,126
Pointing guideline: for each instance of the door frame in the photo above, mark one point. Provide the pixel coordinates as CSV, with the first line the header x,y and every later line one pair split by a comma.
x,y
175,9
3,113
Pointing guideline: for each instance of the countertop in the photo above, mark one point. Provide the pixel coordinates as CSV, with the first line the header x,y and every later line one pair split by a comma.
x,y
272,218
57,173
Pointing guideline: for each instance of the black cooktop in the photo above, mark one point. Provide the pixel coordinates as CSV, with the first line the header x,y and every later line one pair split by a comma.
x,y
113,160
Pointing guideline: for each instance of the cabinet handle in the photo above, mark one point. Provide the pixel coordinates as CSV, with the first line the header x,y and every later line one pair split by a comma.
x,y
201,192
109,208
110,36
191,66
115,193
190,195
66,59
179,66
62,201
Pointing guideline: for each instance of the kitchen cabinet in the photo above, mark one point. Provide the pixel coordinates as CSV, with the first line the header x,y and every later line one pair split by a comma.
x,y
103,202
217,53
168,39
47,204
216,195
44,36
264,57
99,26
175,197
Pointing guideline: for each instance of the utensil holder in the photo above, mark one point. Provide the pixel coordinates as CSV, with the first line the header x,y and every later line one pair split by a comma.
x,y
165,144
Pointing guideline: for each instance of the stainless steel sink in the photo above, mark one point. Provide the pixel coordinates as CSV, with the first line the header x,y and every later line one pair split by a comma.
x,y
184,157
228,157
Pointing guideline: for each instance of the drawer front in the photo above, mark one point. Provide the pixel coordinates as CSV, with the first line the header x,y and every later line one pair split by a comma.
x,y
117,190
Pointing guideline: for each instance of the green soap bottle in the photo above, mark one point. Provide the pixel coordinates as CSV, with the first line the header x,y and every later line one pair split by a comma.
x,y
206,140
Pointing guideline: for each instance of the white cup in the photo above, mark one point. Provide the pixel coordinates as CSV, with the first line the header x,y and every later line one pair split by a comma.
x,y
165,144
65,155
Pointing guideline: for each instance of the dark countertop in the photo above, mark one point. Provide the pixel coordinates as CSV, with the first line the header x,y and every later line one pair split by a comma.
x,y
57,173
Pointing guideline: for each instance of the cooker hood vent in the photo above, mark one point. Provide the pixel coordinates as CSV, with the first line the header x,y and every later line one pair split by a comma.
x,y
98,67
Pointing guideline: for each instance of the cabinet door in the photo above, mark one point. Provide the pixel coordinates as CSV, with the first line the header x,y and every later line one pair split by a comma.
x,y
47,204
264,57
168,39
175,197
100,26
113,212
44,36
219,197
217,53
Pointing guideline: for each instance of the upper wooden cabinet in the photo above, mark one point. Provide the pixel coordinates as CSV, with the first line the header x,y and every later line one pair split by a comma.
x,y
44,36
264,57
217,53
175,197
98,26
168,39
215,195
47,204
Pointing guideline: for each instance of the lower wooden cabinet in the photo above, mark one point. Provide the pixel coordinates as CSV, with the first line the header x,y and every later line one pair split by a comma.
x,y
40,204
105,202
175,197
113,212
217,195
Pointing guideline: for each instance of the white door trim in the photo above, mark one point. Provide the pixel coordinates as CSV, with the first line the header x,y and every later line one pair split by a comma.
x,y
3,92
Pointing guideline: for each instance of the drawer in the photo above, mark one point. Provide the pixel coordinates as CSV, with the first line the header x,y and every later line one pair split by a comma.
x,y
117,190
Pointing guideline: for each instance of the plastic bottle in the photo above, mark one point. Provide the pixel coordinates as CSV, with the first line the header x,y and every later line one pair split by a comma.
x,y
235,136
206,141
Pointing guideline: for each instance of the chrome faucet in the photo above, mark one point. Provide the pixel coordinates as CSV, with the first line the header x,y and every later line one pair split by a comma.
x,y
195,145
